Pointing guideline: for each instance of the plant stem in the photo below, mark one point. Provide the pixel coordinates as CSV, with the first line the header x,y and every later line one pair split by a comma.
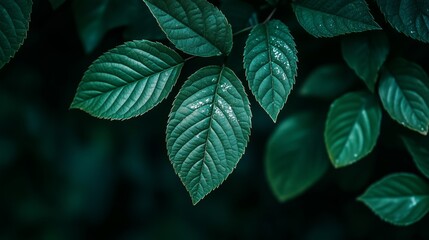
x,y
270,16
243,30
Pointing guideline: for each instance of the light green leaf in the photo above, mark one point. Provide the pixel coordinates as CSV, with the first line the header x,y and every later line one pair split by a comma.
x,y
208,129
270,61
194,26
331,18
410,17
295,157
56,3
401,199
128,80
14,23
419,150
352,128
328,81
404,92
365,53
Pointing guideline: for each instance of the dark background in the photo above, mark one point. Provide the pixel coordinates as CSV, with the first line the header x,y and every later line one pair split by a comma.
x,y
67,175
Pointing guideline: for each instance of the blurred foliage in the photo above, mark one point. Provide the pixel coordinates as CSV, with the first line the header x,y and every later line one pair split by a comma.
x,y
66,175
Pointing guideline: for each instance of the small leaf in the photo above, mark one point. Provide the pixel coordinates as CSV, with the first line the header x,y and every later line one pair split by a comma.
x,y
208,129
331,18
270,62
56,3
14,23
400,199
352,128
194,26
419,150
410,17
328,81
128,80
404,93
365,54
295,156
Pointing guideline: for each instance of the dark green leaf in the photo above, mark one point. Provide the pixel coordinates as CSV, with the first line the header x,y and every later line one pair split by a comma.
x,y
330,18
56,3
365,54
194,26
400,199
270,62
404,93
419,150
128,80
208,129
14,23
352,128
410,17
295,157
328,81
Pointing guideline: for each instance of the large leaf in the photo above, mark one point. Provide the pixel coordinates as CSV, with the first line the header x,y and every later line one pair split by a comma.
x,y
128,80
365,53
330,18
14,22
419,150
410,17
328,81
400,199
208,129
194,26
352,128
404,93
295,156
270,62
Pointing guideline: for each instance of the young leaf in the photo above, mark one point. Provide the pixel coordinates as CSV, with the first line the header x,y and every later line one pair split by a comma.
x,y
208,129
365,54
401,199
331,18
352,128
404,93
295,156
410,17
419,150
128,80
270,62
56,3
328,81
14,22
194,26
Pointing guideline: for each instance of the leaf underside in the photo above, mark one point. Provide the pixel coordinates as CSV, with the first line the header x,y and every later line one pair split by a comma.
x,y
128,80
208,129
14,24
270,61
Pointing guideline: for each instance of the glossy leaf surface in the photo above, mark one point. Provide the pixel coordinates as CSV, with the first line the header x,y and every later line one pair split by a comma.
x,y
400,199
194,26
404,93
270,61
128,80
208,129
14,24
419,150
331,18
295,157
352,128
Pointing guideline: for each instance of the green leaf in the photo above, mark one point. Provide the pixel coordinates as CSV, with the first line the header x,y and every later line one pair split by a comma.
x,y
295,157
331,18
208,129
400,199
194,26
56,3
352,128
419,150
270,61
410,17
128,80
328,81
365,54
14,23
404,92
